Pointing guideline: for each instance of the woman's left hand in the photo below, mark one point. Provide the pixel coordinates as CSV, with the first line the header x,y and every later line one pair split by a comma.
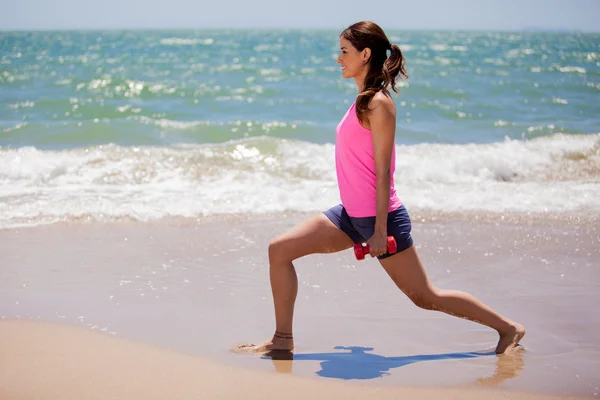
x,y
377,244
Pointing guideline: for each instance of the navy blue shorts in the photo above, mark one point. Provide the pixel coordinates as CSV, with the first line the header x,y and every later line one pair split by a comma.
x,y
361,229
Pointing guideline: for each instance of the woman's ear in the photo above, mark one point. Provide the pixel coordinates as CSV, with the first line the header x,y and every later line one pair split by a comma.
x,y
366,55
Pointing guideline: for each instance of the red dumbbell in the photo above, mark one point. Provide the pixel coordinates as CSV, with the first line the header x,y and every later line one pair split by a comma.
x,y
361,250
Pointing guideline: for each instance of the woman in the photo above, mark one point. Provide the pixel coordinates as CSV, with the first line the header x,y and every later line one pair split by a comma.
x,y
370,209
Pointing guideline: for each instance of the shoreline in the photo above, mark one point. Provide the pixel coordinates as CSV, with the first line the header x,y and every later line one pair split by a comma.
x,y
581,217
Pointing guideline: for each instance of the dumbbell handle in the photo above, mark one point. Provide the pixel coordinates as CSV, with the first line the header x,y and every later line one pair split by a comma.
x,y
361,250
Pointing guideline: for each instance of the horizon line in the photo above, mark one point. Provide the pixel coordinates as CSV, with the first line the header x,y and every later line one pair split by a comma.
x,y
274,28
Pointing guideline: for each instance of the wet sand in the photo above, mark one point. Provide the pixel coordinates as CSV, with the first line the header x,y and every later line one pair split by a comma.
x,y
186,291
65,362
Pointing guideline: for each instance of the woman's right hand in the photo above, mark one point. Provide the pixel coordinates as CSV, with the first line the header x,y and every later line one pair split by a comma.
x,y
377,244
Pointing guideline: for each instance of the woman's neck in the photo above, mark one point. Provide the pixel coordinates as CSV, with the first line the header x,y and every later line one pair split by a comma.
x,y
360,81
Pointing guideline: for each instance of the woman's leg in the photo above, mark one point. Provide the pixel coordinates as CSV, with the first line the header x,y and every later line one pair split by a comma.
x,y
314,235
407,272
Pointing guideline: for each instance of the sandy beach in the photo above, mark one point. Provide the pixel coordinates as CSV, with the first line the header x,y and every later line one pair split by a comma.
x,y
63,362
151,310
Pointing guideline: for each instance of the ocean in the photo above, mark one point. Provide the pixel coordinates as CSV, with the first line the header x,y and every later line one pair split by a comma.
x,y
143,125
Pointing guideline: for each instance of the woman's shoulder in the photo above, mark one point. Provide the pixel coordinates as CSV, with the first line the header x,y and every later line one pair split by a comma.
x,y
382,102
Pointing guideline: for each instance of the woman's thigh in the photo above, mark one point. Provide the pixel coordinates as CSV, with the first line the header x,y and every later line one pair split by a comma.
x,y
407,272
316,234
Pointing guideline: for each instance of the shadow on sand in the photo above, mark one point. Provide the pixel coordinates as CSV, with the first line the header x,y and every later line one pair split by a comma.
x,y
355,363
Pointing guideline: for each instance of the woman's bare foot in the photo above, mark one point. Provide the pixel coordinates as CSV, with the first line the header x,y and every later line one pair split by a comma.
x,y
277,343
510,339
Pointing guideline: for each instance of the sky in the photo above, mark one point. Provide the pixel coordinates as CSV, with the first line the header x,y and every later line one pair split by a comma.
x,y
503,15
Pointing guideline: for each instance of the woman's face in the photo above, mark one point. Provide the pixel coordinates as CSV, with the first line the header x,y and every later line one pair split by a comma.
x,y
353,62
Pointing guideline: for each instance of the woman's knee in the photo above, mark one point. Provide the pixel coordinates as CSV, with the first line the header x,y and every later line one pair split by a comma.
x,y
426,299
279,251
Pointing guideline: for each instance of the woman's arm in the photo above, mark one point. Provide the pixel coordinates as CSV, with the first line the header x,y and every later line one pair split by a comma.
x,y
382,122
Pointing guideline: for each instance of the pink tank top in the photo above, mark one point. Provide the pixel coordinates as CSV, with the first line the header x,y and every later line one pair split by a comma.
x,y
355,167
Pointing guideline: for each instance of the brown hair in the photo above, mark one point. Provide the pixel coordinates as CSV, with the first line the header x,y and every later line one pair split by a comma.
x,y
382,69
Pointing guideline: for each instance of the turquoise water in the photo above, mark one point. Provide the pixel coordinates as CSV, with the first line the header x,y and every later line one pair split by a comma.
x,y
72,89
110,115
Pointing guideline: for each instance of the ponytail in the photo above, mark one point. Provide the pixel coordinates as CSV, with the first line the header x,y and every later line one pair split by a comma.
x,y
382,74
